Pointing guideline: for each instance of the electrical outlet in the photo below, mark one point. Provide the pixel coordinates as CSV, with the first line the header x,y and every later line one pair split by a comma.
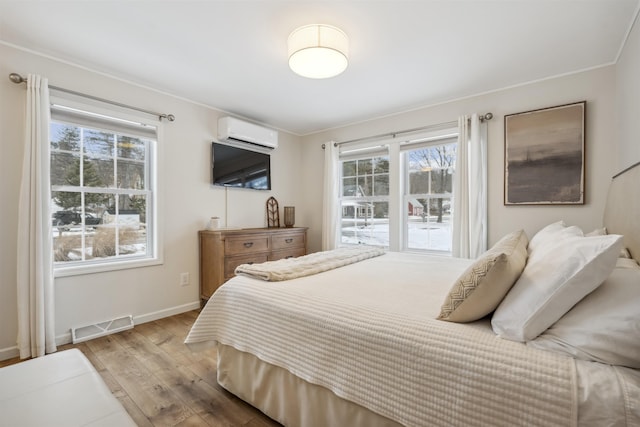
x,y
184,279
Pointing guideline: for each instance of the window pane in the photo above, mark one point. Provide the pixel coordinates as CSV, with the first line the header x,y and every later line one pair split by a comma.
x,y
131,148
429,224
349,187
97,172
132,241
132,209
364,186
365,166
98,203
419,182
365,223
100,241
67,245
131,174
381,187
103,244
431,181
65,201
349,168
65,168
381,165
65,137
131,221
97,143
70,225
442,181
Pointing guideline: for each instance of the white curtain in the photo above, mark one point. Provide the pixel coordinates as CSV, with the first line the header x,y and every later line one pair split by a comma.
x,y
36,333
330,202
470,189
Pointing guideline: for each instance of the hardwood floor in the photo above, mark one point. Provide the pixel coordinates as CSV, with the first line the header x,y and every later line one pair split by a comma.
x,y
161,382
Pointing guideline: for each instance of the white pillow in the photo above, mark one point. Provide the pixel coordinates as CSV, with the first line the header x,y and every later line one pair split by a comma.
x,y
551,234
544,234
556,277
603,327
624,252
597,232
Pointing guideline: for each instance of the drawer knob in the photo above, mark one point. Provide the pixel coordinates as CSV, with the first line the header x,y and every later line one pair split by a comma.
x,y
288,240
290,256
248,244
250,262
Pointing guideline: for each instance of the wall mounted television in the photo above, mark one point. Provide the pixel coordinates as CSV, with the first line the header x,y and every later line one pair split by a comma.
x,y
234,166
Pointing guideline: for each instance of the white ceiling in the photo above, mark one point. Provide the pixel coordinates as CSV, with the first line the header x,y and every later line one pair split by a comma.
x,y
232,55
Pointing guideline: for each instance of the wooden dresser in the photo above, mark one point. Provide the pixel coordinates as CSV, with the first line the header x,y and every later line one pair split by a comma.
x,y
221,251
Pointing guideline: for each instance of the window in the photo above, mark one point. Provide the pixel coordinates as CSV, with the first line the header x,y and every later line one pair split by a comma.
x,y
365,201
103,170
370,191
427,196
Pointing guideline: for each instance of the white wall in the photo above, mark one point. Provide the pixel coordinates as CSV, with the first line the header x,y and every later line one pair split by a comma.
x,y
628,100
187,201
595,86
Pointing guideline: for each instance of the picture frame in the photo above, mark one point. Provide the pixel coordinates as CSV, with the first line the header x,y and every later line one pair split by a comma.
x,y
544,156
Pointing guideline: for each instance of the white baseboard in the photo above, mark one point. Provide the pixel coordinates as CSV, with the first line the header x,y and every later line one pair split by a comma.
x,y
161,314
11,352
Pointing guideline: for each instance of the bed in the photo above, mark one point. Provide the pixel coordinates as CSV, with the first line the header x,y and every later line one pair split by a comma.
x,y
388,341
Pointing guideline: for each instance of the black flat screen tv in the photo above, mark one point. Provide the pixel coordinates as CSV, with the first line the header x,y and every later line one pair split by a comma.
x,y
239,167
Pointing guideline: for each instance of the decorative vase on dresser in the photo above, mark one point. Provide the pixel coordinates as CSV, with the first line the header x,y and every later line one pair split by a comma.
x,y
221,251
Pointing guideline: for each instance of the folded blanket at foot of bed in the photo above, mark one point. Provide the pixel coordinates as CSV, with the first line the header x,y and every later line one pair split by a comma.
x,y
292,268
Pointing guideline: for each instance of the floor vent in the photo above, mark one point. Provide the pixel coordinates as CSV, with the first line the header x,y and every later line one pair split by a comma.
x,y
90,332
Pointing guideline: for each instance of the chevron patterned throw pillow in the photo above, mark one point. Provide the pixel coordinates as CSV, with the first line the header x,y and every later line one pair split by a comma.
x,y
480,289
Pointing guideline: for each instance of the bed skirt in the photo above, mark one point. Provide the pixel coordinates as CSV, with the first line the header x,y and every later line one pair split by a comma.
x,y
286,398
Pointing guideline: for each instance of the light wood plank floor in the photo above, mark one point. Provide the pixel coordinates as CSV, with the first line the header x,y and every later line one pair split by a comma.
x,y
161,382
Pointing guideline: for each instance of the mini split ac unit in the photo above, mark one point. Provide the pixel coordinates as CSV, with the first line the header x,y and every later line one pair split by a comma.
x,y
235,130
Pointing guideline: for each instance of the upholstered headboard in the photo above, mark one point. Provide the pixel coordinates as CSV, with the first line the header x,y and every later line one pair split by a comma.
x,y
622,211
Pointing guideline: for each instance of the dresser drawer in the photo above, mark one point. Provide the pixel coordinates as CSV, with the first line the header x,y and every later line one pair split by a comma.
x,y
287,253
230,263
287,241
246,244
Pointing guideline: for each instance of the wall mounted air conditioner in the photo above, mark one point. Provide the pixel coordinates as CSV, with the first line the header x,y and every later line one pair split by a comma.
x,y
234,130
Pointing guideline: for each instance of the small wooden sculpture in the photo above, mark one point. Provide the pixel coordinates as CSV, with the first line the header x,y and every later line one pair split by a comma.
x,y
273,213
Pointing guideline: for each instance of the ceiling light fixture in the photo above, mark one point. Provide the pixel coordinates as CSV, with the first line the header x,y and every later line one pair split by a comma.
x,y
318,51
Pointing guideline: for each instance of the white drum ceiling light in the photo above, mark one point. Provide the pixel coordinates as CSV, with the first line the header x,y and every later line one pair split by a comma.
x,y
318,51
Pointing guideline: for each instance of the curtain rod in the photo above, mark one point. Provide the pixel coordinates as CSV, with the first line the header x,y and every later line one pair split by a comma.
x,y
483,118
17,78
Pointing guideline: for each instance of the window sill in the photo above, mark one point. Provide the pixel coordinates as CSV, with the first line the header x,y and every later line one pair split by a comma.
x,y
78,270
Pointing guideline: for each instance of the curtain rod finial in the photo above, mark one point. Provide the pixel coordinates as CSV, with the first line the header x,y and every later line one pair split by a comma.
x,y
17,78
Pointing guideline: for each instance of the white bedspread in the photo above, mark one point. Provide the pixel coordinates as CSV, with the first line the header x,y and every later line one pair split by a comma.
x,y
367,331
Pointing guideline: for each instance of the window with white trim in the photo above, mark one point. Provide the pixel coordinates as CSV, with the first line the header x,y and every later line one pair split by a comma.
x,y
411,175
428,191
103,188
365,201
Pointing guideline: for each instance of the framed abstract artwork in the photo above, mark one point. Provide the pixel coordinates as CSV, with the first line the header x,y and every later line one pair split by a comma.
x,y
544,156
